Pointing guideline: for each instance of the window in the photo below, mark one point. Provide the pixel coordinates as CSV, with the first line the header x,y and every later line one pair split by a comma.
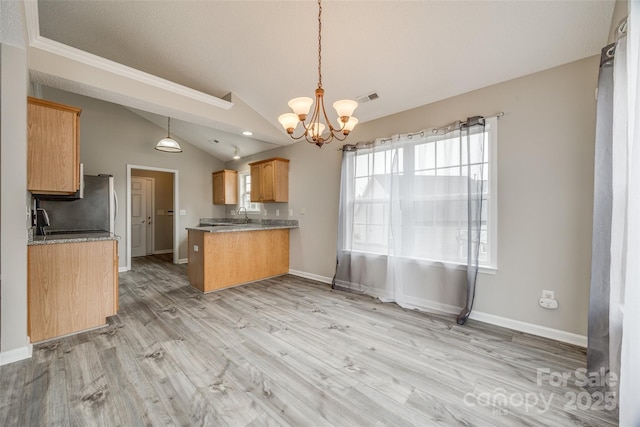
x,y
415,192
245,193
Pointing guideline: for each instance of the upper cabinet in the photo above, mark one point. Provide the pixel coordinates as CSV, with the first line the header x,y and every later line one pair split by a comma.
x,y
53,148
270,180
225,187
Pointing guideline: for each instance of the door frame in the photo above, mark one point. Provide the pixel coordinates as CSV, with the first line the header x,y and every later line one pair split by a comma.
x,y
176,211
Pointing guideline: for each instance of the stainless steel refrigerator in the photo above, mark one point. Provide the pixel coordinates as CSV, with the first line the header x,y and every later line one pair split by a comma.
x,y
96,211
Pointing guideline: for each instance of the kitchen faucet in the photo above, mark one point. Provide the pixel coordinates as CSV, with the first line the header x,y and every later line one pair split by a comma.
x,y
246,217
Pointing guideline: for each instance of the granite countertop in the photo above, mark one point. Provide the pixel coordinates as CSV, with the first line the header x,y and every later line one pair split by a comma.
x,y
226,225
71,238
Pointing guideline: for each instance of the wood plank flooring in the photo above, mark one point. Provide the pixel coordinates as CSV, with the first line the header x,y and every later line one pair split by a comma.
x,y
289,352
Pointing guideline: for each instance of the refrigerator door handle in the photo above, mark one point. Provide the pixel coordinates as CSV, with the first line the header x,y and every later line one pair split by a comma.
x,y
115,214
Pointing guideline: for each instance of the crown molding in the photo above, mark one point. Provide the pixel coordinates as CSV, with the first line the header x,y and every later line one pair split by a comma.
x,y
35,40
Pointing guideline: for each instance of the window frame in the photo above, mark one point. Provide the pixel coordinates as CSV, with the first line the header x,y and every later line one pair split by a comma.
x,y
491,143
251,207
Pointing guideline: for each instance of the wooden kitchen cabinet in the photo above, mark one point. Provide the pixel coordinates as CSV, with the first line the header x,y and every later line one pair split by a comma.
x,y
71,287
53,147
225,187
222,260
270,180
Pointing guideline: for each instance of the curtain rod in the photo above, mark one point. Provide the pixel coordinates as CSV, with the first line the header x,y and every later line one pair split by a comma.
x,y
421,133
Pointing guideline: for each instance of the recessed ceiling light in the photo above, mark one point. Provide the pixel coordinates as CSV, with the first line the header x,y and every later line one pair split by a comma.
x,y
247,133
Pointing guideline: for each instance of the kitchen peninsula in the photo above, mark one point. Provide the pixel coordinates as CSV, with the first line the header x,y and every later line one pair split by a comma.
x,y
223,253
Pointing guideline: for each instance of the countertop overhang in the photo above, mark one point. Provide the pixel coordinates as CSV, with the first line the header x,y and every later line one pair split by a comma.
x,y
224,225
71,238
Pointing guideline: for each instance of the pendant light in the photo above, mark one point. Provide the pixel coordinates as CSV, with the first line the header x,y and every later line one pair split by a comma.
x,y
168,144
313,130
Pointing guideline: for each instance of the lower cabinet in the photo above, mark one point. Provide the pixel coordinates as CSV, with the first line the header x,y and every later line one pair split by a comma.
x,y
71,287
221,260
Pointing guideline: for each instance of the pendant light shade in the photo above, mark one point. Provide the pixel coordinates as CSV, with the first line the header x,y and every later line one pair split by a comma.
x,y
168,144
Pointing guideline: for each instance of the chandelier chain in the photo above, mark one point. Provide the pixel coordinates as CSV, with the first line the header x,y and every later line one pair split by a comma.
x,y
319,44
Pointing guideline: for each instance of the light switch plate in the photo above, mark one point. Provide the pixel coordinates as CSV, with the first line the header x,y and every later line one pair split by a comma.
x,y
195,248
183,212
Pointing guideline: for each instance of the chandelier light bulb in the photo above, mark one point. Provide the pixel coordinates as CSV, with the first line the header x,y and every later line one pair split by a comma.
x,y
347,127
316,130
289,121
301,106
345,108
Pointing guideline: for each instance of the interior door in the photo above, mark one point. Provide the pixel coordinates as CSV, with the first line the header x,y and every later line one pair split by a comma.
x,y
139,217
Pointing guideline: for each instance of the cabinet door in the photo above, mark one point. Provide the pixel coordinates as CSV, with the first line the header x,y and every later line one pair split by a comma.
x,y
53,158
268,175
70,287
218,188
225,187
256,183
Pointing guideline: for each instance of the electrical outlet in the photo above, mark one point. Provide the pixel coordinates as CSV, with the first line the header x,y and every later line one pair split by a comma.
x,y
303,211
277,212
264,213
548,303
195,248
290,212
548,294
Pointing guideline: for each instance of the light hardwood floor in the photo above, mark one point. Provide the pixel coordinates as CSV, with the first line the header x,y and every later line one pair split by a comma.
x,y
288,351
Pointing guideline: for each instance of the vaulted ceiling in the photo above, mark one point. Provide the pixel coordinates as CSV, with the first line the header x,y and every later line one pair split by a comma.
x,y
265,52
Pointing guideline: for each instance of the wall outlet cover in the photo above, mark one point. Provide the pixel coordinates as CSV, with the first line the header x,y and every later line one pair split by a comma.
x,y
548,303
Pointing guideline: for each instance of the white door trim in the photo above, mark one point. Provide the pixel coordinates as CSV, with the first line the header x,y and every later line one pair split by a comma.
x,y
176,209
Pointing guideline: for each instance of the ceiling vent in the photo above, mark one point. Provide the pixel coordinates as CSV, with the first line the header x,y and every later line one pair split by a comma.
x,y
366,98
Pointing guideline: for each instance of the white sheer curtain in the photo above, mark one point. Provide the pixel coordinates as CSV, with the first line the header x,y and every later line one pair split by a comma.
x,y
630,279
409,207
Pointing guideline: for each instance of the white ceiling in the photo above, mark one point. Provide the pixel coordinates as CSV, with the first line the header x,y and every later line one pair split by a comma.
x,y
265,52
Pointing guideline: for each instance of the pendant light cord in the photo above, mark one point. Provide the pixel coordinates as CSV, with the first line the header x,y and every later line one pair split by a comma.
x,y
168,127
319,44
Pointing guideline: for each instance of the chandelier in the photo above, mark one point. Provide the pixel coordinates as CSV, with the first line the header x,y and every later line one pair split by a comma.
x,y
314,128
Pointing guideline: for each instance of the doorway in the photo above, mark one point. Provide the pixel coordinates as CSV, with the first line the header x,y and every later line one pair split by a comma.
x,y
152,200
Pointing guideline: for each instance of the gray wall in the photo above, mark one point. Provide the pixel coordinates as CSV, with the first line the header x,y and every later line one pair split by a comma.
x,y
111,137
13,191
163,198
545,191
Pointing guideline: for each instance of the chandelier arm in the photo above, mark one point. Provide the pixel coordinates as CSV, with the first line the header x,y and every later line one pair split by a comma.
x,y
326,118
335,135
298,137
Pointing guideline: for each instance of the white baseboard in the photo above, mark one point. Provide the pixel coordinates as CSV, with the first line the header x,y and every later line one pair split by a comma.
x,y
530,328
122,269
163,251
16,354
312,276
436,307
183,261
